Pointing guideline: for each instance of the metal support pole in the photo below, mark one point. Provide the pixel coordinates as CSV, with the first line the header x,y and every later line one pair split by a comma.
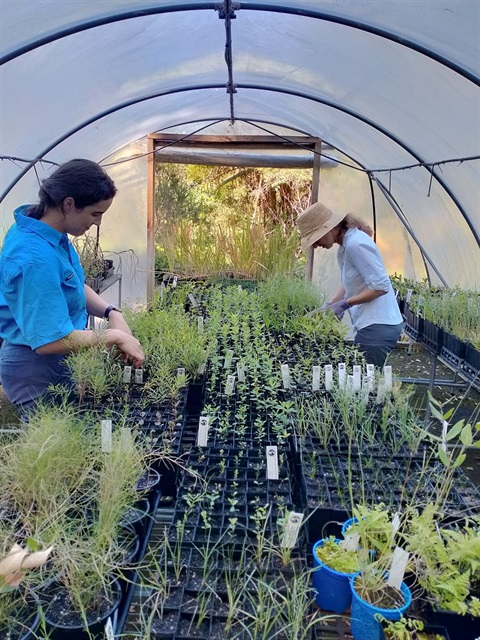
x,y
433,369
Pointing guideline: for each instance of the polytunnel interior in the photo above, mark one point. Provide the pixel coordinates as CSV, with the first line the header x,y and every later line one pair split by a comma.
x,y
391,87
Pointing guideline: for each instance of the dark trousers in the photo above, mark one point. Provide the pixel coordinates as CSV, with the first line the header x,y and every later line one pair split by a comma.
x,y
377,340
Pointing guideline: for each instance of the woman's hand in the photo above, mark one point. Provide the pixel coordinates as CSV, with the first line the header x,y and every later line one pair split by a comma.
x,y
130,347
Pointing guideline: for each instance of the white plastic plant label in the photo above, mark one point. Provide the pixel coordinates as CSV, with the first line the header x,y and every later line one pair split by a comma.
x,y
408,297
371,376
292,529
202,367
272,462
193,302
174,283
397,569
127,374
328,377
106,436
387,374
139,376
350,541
357,377
228,359
162,290
109,634
316,378
286,376
365,385
380,392
181,372
202,435
444,436
342,375
395,523
349,385
200,324
229,387
239,288
240,372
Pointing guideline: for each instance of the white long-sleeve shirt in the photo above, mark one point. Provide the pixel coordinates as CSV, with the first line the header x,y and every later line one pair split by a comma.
x,y
361,266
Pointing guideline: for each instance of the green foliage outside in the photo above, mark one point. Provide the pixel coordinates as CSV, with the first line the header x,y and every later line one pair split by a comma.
x,y
227,220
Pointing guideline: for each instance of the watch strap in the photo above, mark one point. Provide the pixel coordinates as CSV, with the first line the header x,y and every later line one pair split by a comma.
x,y
111,307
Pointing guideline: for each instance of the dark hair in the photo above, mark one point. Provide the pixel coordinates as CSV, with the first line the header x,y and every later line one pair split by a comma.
x,y
83,180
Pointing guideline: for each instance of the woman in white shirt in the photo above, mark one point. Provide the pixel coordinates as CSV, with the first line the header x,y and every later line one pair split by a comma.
x,y
366,290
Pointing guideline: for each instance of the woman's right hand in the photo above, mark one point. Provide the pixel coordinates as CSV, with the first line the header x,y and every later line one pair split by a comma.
x,y
130,347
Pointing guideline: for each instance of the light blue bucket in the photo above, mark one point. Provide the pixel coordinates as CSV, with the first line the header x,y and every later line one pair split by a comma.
x,y
332,587
364,626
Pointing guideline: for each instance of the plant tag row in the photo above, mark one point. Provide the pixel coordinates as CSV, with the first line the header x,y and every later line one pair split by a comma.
x,y
286,376
397,569
272,463
230,386
292,529
106,436
202,435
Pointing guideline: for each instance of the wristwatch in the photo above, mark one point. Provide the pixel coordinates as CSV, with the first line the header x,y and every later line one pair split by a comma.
x,y
111,307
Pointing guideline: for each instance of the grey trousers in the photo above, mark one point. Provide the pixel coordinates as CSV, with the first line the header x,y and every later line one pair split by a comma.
x,y
377,340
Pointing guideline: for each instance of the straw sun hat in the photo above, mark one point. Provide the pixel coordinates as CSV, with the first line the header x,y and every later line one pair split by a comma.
x,y
315,222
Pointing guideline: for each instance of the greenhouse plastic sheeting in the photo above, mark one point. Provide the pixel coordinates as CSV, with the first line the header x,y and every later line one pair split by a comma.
x,y
389,84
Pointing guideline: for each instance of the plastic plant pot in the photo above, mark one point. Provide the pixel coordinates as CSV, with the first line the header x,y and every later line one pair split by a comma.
x,y
347,524
332,587
364,625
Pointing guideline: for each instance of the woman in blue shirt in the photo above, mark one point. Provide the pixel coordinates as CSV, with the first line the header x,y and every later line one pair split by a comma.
x,y
366,291
44,301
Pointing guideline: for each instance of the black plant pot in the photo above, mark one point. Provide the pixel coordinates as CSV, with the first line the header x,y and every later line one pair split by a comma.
x,y
25,620
64,623
471,363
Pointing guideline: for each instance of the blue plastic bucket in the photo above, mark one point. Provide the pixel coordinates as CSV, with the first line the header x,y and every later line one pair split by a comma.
x,y
332,587
347,524
364,626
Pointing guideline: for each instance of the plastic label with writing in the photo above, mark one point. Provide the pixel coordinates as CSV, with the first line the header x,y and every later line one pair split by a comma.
x,y
316,378
240,372
272,463
106,436
371,376
350,382
328,377
127,374
200,325
202,435
286,376
202,367
174,283
357,377
193,302
395,523
139,376
342,375
181,372
408,297
109,634
292,529
228,359
229,387
387,374
397,569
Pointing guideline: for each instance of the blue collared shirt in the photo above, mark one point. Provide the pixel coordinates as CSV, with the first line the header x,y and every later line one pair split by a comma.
x,y
42,297
362,267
